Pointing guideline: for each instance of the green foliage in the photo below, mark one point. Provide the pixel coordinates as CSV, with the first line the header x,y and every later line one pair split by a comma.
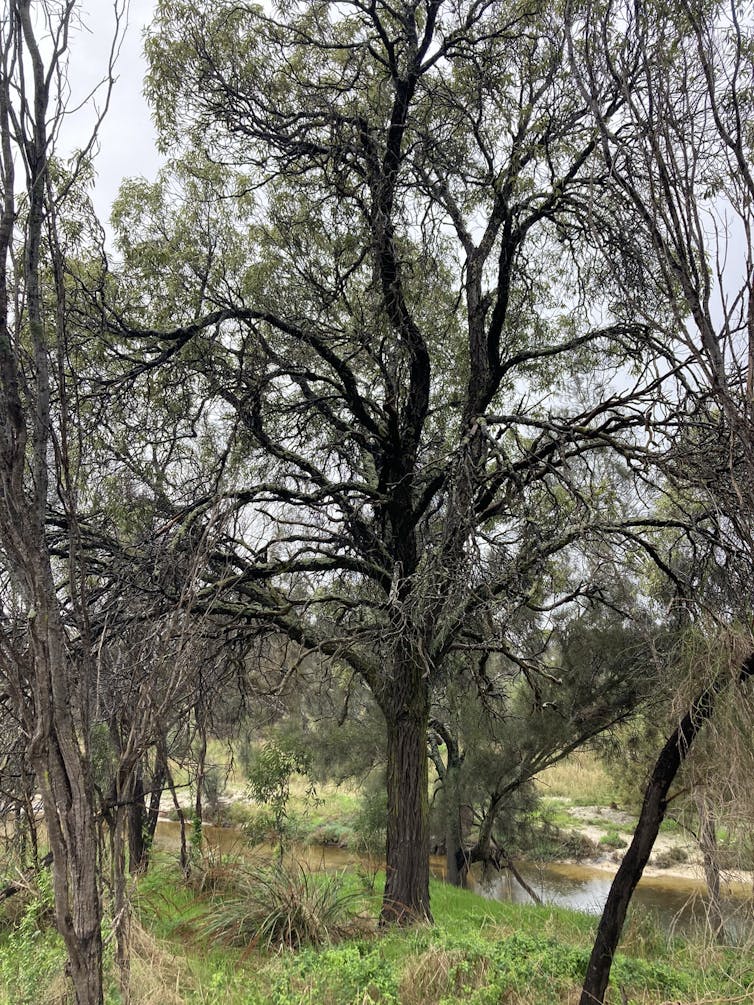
x,y
196,838
213,786
32,953
358,972
281,906
478,951
370,823
613,840
103,755
269,783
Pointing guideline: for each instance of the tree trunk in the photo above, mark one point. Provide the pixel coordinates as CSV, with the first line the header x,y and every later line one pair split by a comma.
x,y
72,833
652,813
456,869
708,846
157,785
137,827
59,757
406,710
121,905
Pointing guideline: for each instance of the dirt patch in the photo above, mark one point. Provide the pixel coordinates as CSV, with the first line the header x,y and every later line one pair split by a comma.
x,y
674,854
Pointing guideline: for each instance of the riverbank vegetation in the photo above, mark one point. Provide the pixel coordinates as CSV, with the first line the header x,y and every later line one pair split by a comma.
x,y
477,951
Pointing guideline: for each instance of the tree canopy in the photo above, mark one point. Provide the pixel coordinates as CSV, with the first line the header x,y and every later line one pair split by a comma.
x,y
412,356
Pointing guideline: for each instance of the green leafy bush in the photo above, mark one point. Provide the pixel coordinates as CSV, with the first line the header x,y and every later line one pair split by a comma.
x,y
269,781
612,840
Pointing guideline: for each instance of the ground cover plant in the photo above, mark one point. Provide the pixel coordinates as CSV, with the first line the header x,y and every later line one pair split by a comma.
x,y
478,952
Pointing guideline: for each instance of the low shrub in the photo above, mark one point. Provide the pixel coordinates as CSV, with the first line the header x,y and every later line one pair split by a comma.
x,y
32,953
613,840
670,857
284,905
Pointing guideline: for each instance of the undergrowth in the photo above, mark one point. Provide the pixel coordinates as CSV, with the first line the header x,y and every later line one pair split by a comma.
x,y
478,952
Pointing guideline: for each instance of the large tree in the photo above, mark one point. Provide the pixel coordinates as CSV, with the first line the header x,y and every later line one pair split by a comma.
x,y
406,330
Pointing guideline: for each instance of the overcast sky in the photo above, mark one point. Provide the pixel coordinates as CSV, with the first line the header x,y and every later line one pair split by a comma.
x,y
127,136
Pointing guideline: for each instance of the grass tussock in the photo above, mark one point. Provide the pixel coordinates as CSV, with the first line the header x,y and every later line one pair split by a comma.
x,y
159,974
282,906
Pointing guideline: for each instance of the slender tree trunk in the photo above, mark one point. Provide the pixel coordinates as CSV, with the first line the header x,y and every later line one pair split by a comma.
x,y
406,709
456,870
185,857
652,814
121,905
137,826
59,756
157,787
72,833
708,845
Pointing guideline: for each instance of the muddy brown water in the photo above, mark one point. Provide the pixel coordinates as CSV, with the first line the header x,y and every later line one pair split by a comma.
x,y
677,903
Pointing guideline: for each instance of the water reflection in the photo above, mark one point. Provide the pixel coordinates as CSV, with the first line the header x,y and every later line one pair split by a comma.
x,y
678,904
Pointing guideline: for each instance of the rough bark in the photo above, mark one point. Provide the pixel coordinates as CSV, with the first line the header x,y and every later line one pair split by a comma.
x,y
68,796
406,710
652,814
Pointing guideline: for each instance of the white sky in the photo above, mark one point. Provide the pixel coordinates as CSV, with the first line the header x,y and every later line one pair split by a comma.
x,y
127,136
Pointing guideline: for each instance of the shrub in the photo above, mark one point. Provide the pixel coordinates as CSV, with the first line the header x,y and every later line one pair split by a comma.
x,y
269,781
672,856
213,786
33,953
281,906
613,840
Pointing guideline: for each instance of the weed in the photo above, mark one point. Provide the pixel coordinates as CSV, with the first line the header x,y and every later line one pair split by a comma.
x,y
669,858
32,953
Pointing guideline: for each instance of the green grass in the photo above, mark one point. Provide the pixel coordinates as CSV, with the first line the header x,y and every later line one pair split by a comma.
x,y
477,952
612,840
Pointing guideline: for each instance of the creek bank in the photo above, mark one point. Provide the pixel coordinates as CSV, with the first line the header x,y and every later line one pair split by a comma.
x,y
580,840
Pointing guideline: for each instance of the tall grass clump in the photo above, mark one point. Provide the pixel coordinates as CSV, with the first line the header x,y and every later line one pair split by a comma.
x,y
283,906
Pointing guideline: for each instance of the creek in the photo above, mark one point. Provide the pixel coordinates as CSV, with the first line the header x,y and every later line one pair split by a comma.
x,y
677,903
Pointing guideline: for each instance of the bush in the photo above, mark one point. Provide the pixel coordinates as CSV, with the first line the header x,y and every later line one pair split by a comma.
x,y
282,906
213,787
613,840
673,856
370,823
269,782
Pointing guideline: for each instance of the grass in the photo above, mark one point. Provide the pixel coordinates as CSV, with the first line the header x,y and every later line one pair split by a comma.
x,y
478,952
281,906
580,778
612,840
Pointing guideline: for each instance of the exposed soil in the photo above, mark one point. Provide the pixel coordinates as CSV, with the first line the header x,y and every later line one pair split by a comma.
x,y
675,854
